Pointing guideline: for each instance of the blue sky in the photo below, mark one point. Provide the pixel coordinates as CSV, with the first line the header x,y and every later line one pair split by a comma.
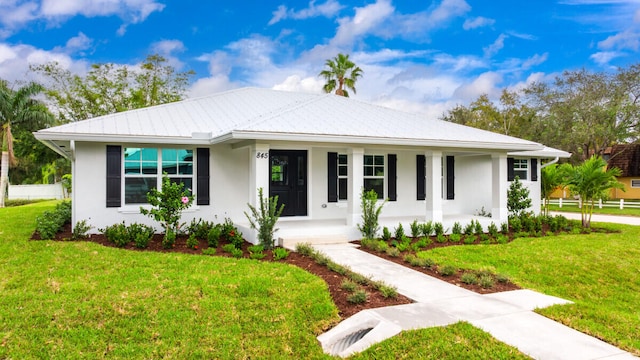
x,y
419,56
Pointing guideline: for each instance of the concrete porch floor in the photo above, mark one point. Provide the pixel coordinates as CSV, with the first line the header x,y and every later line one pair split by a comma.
x,y
293,231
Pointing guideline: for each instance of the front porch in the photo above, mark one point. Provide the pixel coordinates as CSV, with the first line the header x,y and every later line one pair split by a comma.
x,y
294,231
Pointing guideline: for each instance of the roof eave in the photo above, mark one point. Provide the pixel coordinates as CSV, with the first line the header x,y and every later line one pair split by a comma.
x,y
51,136
277,136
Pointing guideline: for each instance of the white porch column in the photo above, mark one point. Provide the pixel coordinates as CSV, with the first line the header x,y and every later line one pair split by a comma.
x,y
259,172
499,187
433,197
355,183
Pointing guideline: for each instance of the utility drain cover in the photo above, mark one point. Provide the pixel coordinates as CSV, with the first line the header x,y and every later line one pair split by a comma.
x,y
349,340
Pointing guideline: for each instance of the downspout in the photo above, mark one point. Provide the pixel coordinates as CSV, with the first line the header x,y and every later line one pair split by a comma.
x,y
550,163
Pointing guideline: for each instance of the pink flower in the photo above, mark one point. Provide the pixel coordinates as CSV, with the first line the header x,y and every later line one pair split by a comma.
x,y
185,199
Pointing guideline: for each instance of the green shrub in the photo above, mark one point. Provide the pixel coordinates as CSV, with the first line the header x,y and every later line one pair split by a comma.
x,y
469,239
403,245
167,205
321,259
280,253
386,234
455,238
486,281
228,248
209,251
256,255
305,249
192,241
337,268
140,234
80,230
447,270
501,278
456,229
370,214
426,229
388,291
468,229
358,297
348,286
477,227
264,218
379,245
117,234
469,278
235,237
502,239
485,239
438,228
415,229
393,252
427,262
360,279
236,253
200,228
63,210
213,236
518,200
256,248
504,228
492,229
410,258
440,238
423,242
399,232
169,240
52,221
516,224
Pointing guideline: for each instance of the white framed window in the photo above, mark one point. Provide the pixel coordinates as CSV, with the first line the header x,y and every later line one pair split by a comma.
x,y
343,170
144,167
521,168
374,174
635,183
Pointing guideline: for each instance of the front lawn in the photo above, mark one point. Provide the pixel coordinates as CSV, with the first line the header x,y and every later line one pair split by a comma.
x,y
599,272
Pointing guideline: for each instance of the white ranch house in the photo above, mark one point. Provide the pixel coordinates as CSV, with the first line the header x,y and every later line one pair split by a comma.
x,y
316,152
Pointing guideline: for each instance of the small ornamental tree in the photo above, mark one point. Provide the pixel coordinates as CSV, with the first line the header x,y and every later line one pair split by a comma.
x,y
370,214
264,218
518,200
167,205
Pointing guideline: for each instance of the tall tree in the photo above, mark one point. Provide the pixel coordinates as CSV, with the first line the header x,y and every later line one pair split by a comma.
x,y
592,181
109,88
17,107
341,74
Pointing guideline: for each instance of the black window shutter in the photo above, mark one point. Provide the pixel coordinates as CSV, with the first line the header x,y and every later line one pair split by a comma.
x,y
332,177
392,192
450,178
534,169
202,191
114,175
421,190
511,174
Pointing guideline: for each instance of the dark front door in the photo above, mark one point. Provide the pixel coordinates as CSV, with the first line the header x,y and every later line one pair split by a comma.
x,y
288,174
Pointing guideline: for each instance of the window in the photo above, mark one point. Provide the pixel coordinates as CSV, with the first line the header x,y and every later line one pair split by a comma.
x,y
342,176
374,174
521,168
635,183
144,167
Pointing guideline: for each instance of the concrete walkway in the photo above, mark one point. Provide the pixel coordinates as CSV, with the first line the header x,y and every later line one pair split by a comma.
x,y
629,220
508,316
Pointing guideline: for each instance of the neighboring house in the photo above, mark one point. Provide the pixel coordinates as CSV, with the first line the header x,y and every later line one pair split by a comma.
x,y
316,152
625,157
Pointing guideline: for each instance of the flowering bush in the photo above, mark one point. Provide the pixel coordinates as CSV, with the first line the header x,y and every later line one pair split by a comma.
x,y
167,204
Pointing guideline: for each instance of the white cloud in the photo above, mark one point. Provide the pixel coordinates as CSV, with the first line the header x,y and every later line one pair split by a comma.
x,y
604,57
475,23
365,20
328,9
210,85
168,50
296,83
76,44
629,40
486,83
494,48
536,59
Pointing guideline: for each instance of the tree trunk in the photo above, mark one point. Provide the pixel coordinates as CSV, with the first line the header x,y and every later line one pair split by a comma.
x,y
4,177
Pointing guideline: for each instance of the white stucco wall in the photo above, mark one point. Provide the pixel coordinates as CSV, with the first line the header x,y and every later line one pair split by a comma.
x,y
473,178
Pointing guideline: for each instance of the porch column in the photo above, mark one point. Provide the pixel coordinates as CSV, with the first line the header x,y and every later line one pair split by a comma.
x,y
259,175
499,186
433,198
355,183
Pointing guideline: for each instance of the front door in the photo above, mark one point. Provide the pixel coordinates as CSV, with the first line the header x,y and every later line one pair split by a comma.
x,y
288,174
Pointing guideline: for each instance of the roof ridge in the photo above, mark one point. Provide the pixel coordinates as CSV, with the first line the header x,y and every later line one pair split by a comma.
x,y
282,110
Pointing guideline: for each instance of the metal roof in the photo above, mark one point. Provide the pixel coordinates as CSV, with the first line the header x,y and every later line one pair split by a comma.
x,y
264,114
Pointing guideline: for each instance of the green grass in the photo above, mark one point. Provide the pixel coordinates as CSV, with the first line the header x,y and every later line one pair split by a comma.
x,y
599,272
82,300
605,210
457,341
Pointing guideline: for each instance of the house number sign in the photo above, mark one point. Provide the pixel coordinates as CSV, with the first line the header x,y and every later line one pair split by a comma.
x,y
262,155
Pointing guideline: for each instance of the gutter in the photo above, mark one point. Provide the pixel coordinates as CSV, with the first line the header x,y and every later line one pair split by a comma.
x,y
550,163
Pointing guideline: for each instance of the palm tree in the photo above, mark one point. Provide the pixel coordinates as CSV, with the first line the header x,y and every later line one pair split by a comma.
x,y
592,181
552,177
341,73
17,107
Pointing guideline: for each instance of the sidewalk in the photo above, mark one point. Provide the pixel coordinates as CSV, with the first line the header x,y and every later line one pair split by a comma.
x,y
629,220
508,316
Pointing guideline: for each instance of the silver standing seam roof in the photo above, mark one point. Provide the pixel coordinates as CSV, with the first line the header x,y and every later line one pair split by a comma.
x,y
264,114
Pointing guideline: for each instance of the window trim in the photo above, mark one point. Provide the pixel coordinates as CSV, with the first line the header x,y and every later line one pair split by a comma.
x,y
517,167
375,177
637,182
342,197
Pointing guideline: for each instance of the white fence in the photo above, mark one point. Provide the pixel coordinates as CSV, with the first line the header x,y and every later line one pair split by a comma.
x,y
620,204
36,191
